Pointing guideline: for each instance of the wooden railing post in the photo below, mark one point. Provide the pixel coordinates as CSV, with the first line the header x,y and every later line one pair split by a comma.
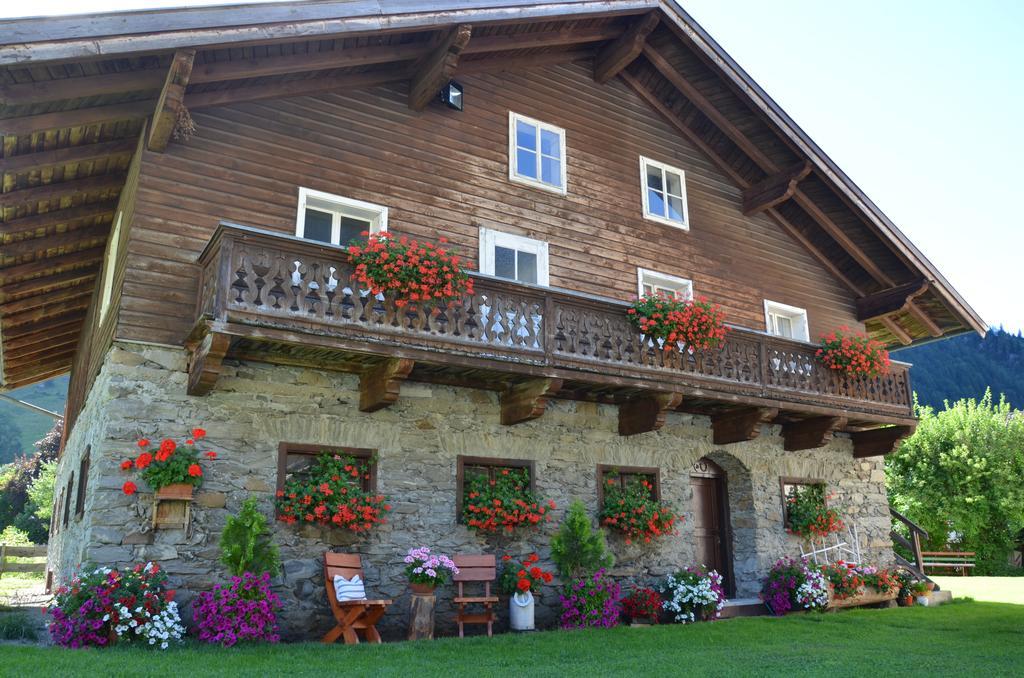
x,y
918,558
548,329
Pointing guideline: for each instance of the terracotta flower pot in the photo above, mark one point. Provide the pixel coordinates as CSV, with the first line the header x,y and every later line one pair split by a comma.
x,y
907,601
422,589
175,491
930,585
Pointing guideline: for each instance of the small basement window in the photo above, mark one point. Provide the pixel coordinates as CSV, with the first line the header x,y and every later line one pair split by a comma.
x,y
83,482
653,283
295,459
786,321
485,469
336,220
791,487
625,476
664,193
536,153
513,257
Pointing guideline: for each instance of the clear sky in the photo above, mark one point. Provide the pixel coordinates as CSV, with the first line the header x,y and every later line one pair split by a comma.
x,y
919,101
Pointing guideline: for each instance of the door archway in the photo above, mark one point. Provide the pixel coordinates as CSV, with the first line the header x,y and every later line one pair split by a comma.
x,y
711,531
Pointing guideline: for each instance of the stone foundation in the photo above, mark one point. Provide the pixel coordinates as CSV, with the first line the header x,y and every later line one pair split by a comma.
x,y
140,391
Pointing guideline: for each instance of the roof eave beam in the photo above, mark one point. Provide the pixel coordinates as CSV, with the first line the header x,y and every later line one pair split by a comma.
x,y
625,49
171,101
437,68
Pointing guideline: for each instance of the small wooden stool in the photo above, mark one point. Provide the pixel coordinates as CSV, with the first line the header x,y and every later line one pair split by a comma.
x,y
476,569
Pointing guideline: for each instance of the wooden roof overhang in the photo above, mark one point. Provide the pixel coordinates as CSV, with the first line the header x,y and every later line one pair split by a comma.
x,y
77,92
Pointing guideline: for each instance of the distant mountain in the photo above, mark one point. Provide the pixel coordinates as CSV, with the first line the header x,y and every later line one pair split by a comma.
x,y
20,428
963,366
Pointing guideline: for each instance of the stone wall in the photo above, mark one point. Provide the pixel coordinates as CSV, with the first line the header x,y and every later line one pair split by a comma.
x,y
140,391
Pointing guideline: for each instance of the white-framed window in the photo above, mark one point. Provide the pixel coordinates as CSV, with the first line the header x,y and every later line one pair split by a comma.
x,y
664,193
651,282
536,153
513,257
786,321
109,267
337,220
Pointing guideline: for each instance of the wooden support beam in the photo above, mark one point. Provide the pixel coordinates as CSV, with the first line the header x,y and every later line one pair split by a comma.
x,y
500,64
810,434
85,86
889,323
63,189
646,413
46,264
437,68
77,117
775,189
38,285
537,39
528,400
36,246
48,346
171,100
922,317
55,327
616,56
55,306
741,424
59,157
205,362
28,371
295,88
379,386
57,217
56,370
879,441
890,300
220,71
41,300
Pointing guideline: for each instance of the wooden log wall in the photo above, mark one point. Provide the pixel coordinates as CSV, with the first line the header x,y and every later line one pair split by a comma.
x,y
445,173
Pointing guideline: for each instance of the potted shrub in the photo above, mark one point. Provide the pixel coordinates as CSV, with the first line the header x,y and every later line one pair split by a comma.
x,y
503,504
853,353
108,605
906,593
694,595
172,471
426,571
521,580
920,589
696,325
642,606
633,511
793,585
807,513
408,271
330,493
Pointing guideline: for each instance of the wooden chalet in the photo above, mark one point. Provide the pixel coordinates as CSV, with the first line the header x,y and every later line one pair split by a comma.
x,y
159,169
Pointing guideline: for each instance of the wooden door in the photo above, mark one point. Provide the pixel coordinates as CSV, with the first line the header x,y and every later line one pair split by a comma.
x,y
712,545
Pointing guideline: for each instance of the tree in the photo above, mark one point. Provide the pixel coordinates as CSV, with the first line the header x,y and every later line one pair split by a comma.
x,y
245,543
40,492
16,480
10,439
577,549
961,478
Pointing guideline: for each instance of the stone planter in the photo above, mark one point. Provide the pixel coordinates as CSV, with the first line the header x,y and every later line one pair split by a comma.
x,y
864,596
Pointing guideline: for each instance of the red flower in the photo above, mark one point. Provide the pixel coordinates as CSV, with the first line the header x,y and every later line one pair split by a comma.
x,y
506,558
167,446
523,585
194,470
129,488
143,442
211,455
126,464
198,433
143,460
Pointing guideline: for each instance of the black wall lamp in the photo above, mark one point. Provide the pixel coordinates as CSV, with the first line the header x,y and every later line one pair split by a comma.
x,y
451,95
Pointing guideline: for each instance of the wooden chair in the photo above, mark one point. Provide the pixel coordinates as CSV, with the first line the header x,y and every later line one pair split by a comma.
x,y
351,615
475,569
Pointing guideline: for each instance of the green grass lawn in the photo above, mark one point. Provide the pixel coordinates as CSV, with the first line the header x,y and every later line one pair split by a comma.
x,y
988,589
961,638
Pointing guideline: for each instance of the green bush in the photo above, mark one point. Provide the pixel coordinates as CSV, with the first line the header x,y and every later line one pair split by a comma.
x,y
577,549
245,543
17,626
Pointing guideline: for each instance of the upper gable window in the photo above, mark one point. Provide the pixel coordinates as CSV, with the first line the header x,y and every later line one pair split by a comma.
x,y
335,220
652,283
513,257
536,153
664,193
786,321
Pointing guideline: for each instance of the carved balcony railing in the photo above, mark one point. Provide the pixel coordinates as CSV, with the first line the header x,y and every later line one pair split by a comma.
x,y
288,290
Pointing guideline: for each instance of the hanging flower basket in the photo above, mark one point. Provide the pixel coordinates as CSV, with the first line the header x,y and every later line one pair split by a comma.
x,y
853,353
696,325
409,271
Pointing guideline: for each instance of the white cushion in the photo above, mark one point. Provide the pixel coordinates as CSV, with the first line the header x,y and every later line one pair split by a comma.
x,y
349,589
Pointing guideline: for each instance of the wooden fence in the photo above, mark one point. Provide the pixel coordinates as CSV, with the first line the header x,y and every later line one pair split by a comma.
x,y
35,552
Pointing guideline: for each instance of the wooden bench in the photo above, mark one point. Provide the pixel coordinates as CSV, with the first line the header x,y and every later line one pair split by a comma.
x,y
7,551
351,615
475,569
962,560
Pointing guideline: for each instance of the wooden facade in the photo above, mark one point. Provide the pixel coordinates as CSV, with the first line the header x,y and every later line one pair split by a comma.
x,y
337,100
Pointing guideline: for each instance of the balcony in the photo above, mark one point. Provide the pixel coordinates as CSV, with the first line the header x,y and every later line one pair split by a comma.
x,y
279,299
